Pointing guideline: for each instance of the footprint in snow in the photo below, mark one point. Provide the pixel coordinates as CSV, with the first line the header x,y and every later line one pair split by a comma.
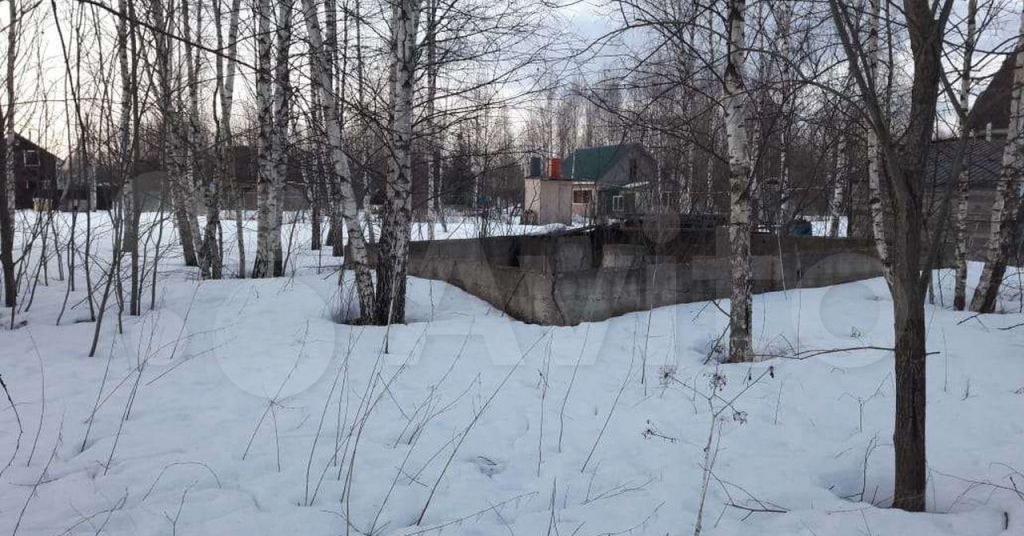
x,y
487,466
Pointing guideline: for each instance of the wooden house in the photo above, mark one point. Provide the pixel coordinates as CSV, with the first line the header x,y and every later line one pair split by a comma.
x,y
612,181
35,175
982,161
237,191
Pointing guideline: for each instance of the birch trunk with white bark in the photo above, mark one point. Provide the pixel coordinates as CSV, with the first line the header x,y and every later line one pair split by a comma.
x,y
279,142
709,165
315,181
963,186
172,129
875,185
321,69
225,166
90,187
392,261
785,23
712,125
686,160
368,210
263,265
129,210
740,346
838,188
191,127
239,225
184,141
337,232
1008,194
433,156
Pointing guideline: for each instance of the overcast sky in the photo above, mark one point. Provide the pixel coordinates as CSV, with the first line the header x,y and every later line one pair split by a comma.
x,y
587,21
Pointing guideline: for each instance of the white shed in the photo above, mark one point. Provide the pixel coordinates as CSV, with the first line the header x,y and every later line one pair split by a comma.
x,y
547,201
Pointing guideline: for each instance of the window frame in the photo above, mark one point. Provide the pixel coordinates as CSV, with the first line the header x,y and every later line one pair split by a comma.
x,y
25,160
618,203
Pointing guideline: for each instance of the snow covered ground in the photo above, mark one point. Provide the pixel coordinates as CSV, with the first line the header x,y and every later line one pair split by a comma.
x,y
240,407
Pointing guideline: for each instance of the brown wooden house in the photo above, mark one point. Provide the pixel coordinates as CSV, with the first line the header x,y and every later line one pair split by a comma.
x,y
982,160
35,174
152,188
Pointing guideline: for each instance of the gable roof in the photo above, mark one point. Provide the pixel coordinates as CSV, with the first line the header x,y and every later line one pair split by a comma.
x,y
23,143
983,161
592,163
993,105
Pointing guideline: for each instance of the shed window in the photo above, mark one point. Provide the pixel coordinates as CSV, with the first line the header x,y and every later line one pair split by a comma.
x,y
581,197
31,158
618,203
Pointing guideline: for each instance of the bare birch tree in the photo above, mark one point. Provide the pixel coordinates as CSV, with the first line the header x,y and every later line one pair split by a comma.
x,y
266,191
962,185
169,105
839,183
1008,194
127,141
225,73
784,20
736,97
395,233
433,146
877,194
189,132
321,79
282,112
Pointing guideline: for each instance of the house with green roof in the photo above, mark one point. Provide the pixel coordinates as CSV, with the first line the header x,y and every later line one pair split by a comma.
x,y
610,181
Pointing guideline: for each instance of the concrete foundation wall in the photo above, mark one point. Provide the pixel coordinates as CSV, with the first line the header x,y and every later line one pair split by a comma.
x,y
565,280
